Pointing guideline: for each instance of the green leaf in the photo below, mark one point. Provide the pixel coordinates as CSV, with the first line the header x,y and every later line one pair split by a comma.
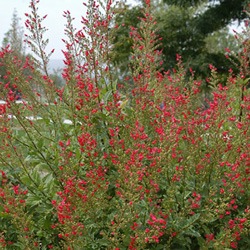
x,y
244,82
103,242
36,176
42,167
33,200
192,232
201,241
26,180
194,218
19,244
49,183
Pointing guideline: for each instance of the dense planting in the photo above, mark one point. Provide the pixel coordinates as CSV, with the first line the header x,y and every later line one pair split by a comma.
x,y
147,162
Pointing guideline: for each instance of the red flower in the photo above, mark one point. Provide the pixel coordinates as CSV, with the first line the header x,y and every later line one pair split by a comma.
x,y
2,109
209,237
233,244
16,189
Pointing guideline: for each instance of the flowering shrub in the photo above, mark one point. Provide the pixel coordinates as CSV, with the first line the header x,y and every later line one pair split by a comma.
x,y
157,167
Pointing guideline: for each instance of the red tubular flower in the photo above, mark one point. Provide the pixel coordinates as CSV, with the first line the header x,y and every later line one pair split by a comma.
x,y
16,189
2,109
209,237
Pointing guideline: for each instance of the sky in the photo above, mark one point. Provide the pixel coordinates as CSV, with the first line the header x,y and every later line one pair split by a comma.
x,y
54,22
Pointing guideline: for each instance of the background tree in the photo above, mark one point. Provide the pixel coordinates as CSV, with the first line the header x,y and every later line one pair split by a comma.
x,y
193,24
14,40
197,30
216,15
14,36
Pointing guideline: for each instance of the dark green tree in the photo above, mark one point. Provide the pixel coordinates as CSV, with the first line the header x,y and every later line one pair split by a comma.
x,y
191,24
215,15
189,28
